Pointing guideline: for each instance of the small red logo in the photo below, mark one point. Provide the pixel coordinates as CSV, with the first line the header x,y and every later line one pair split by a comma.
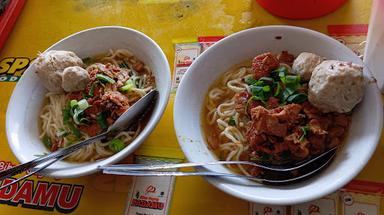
x,y
313,209
150,189
360,213
267,210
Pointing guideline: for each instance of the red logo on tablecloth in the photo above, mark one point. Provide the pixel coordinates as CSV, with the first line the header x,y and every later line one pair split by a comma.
x,y
46,196
148,200
267,210
150,189
313,209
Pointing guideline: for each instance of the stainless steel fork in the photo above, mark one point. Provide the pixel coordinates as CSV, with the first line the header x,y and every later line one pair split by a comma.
x,y
304,169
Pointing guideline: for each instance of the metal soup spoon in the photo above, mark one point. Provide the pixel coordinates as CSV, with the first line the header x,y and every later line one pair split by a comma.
x,y
133,115
273,174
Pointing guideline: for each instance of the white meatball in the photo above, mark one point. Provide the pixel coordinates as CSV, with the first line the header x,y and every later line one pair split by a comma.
x,y
336,86
304,64
50,65
74,79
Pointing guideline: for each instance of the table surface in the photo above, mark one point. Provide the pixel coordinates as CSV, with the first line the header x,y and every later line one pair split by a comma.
x,y
43,22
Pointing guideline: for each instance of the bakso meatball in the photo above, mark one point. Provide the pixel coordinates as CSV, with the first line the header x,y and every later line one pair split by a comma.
x,y
336,86
50,66
304,64
74,79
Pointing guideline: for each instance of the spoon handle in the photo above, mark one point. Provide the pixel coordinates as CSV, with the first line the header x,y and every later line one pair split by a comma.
x,y
54,155
29,174
138,110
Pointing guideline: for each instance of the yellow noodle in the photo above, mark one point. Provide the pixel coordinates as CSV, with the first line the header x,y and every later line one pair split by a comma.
x,y
51,115
220,108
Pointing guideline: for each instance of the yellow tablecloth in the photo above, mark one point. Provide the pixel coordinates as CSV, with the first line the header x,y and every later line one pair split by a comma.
x,y
44,22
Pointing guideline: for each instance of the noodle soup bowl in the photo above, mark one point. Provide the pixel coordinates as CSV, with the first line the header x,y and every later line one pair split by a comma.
x,y
360,141
27,100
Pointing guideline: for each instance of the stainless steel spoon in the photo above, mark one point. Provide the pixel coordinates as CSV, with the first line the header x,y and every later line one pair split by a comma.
x,y
127,119
265,179
273,175
277,168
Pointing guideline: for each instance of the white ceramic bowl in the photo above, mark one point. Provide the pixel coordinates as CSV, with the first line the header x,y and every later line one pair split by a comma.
x,y
27,98
361,140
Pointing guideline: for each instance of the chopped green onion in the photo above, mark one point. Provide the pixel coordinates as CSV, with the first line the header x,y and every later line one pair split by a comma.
x,y
255,89
292,81
292,78
128,86
84,120
231,121
297,98
47,141
266,80
92,90
256,98
261,92
137,83
74,130
83,104
266,88
116,145
278,73
72,103
76,116
77,108
66,115
278,90
305,130
282,69
286,93
105,78
250,81
61,132
101,120
125,88
67,121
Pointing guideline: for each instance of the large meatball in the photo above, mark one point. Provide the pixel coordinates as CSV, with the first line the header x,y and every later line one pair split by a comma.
x,y
50,66
336,86
304,65
74,79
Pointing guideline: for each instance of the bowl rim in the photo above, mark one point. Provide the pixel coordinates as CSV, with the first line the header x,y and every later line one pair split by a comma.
x,y
85,168
228,187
